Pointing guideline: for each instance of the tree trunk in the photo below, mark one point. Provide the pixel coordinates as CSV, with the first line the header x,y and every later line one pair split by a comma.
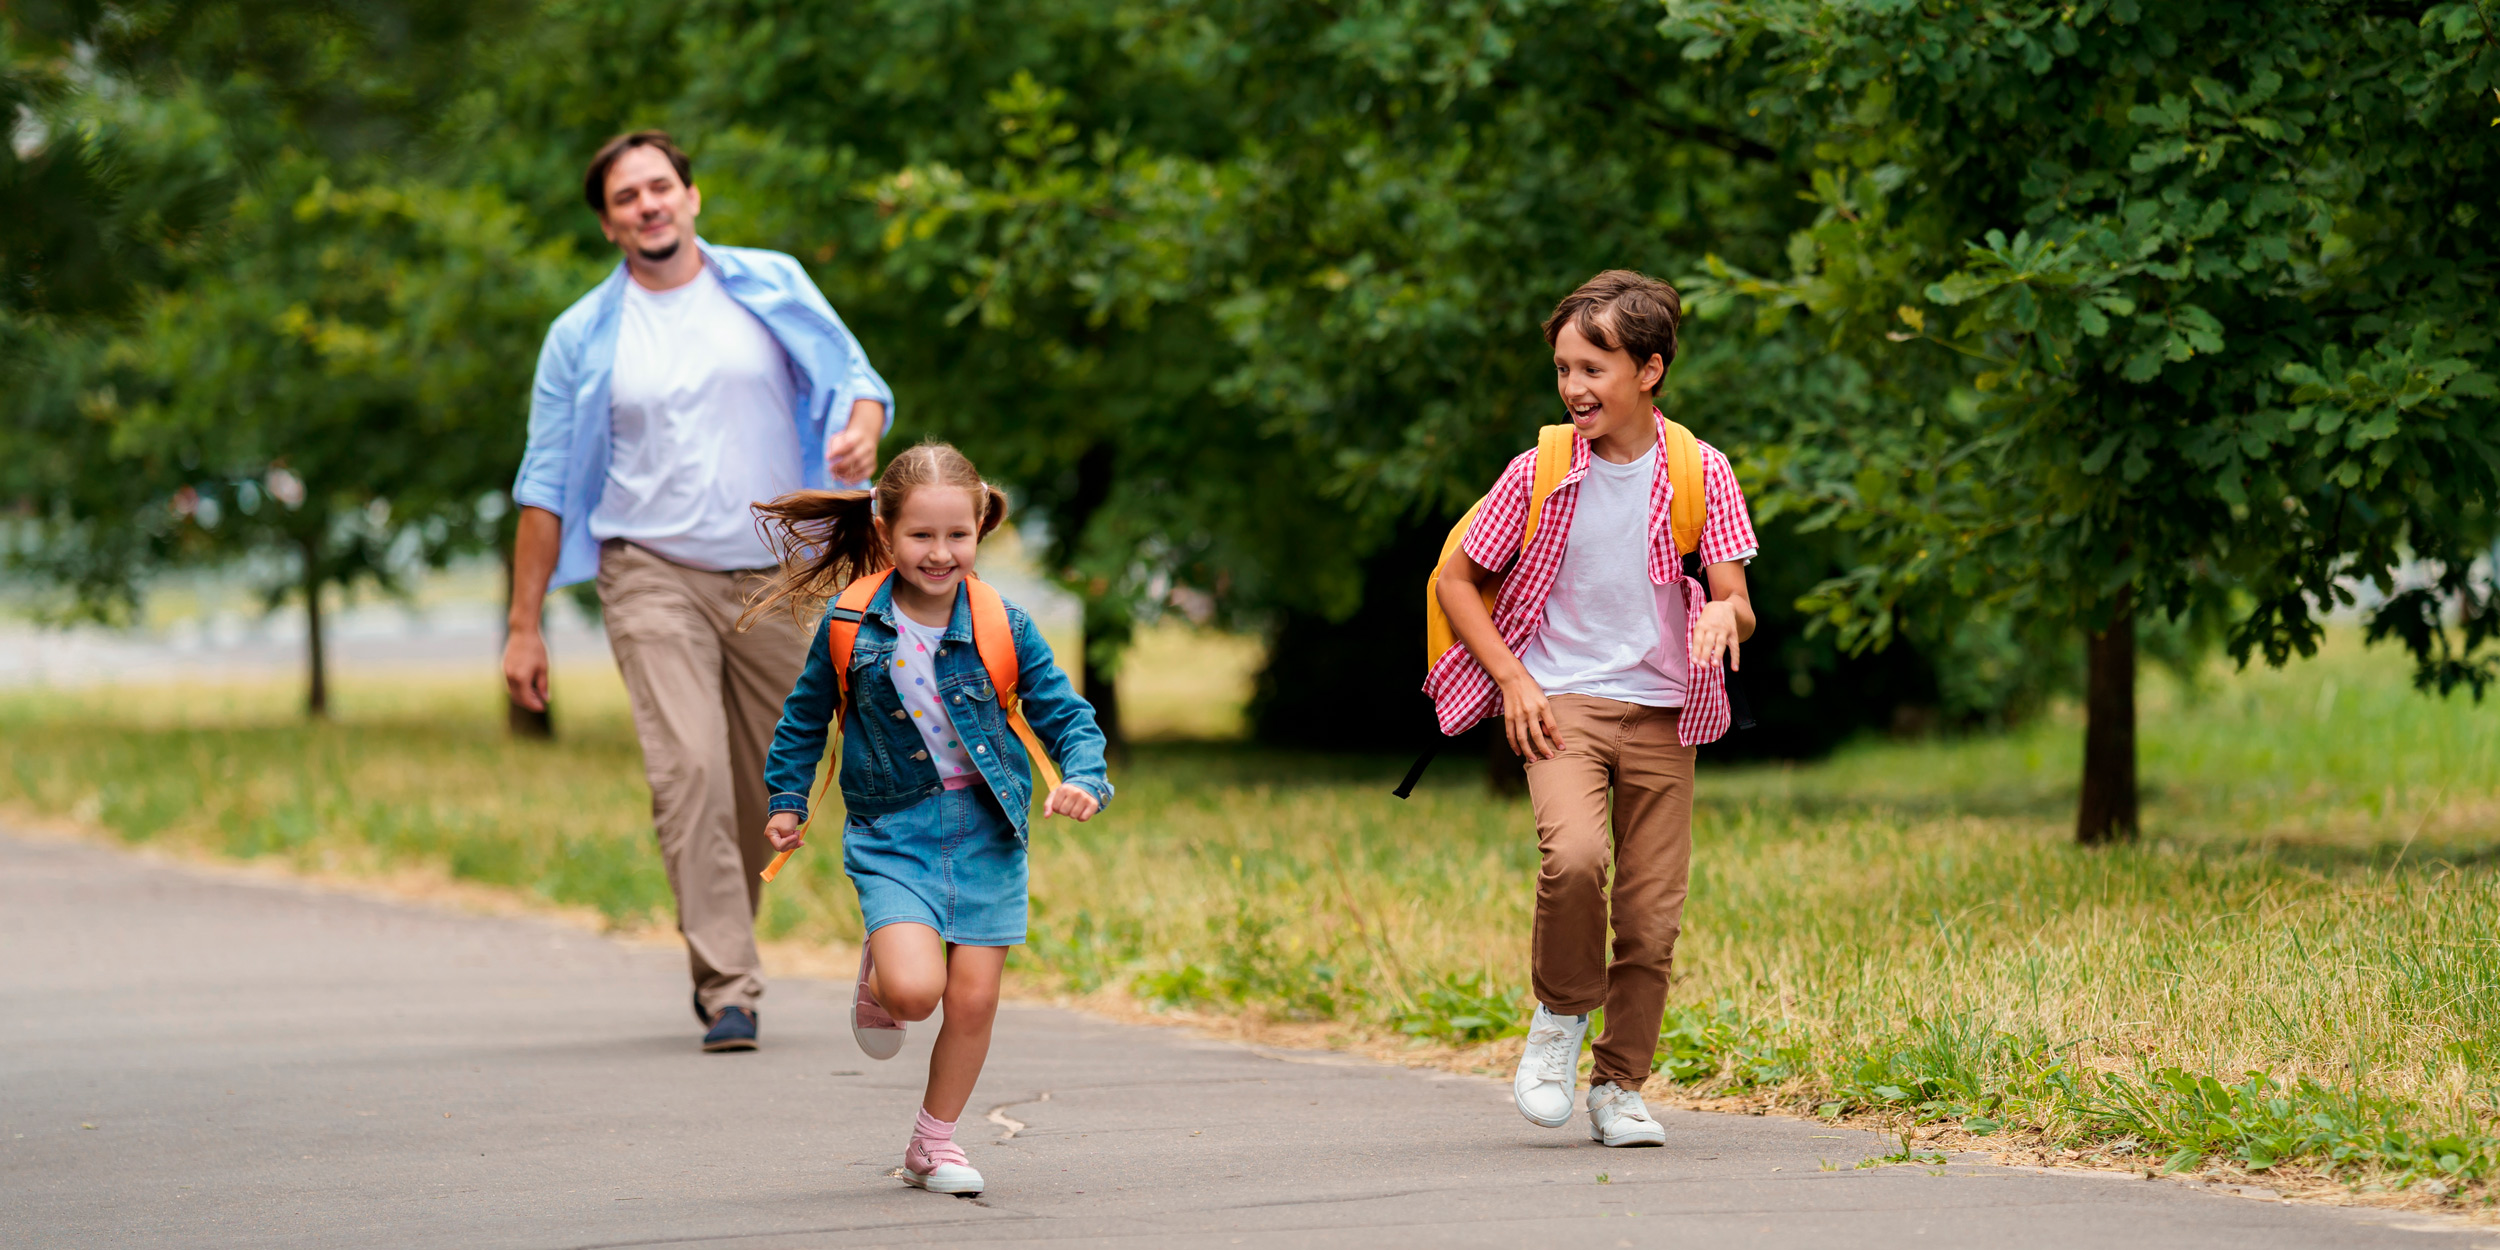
x,y
1102,689
1107,626
518,721
2107,812
317,689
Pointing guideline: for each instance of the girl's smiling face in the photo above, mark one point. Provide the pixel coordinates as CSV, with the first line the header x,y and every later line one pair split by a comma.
x,y
1603,388
933,538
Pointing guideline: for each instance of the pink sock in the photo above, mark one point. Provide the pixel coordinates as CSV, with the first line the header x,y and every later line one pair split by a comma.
x,y
932,1143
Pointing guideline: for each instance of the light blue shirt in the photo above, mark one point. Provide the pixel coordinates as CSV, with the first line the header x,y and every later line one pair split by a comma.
x,y
564,469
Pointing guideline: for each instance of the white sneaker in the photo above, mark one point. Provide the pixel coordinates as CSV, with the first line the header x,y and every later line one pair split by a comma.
x,y
1550,1068
941,1170
879,1034
1618,1117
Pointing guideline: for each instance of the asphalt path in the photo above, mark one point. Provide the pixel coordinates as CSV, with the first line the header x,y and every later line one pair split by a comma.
x,y
197,1058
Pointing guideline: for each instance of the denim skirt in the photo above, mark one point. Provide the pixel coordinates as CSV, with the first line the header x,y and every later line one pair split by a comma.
x,y
950,861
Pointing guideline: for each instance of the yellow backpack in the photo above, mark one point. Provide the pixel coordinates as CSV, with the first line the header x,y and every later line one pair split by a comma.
x,y
1553,461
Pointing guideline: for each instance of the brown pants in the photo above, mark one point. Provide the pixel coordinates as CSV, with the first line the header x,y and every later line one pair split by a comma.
x,y
1632,750
706,698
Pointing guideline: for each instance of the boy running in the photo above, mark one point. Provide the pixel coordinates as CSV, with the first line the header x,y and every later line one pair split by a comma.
x,y
1603,659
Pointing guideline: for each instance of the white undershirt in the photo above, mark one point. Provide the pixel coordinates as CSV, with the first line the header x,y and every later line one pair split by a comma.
x,y
915,679
702,409
1609,631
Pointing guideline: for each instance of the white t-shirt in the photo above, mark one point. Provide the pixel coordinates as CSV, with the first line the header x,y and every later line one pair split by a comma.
x,y
702,406
1608,630
915,679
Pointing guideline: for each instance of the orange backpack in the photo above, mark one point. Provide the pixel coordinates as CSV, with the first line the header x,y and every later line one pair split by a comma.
x,y
992,634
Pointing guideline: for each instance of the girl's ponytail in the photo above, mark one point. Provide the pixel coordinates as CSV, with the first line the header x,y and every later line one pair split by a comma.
x,y
993,503
825,538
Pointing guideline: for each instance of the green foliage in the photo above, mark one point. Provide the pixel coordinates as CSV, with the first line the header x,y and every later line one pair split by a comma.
x,y
1461,1010
2186,297
1718,1046
1250,966
247,337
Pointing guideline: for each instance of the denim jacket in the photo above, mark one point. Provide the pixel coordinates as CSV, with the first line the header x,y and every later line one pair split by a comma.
x,y
564,469
885,764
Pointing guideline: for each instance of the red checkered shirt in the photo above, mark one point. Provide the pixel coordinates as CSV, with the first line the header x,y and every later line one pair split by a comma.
x,y
1463,693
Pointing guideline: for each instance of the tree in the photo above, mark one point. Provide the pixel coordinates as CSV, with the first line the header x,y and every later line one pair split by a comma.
x,y
286,361
342,387
2182,307
1323,242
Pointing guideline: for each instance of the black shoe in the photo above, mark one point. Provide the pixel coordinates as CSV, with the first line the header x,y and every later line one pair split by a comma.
x,y
733,1029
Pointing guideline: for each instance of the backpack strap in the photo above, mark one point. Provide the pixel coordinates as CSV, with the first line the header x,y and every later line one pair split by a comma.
x,y
994,635
1686,513
1553,464
1554,452
1691,505
842,628
841,637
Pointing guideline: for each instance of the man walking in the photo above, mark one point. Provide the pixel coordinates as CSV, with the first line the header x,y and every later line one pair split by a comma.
x,y
694,382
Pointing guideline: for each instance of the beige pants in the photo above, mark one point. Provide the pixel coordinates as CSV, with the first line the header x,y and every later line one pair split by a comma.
x,y
706,698
1630,750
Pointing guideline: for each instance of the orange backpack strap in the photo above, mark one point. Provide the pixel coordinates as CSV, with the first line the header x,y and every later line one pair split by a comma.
x,y
1691,503
842,628
995,637
841,637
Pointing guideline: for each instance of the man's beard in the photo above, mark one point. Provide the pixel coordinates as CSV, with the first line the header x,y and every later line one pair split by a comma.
x,y
659,255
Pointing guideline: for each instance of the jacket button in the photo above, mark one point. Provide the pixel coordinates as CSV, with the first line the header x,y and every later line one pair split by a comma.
x,y
920,755
959,698
980,749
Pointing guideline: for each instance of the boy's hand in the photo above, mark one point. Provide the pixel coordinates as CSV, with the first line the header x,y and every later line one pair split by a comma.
x,y
1528,721
783,831
1715,635
1071,801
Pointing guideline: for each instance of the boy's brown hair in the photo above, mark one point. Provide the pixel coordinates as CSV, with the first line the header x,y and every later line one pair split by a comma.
x,y
1621,310
595,178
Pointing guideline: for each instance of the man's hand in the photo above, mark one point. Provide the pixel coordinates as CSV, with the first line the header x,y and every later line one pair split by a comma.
x,y
1072,801
525,669
534,544
1528,720
1716,634
851,454
783,831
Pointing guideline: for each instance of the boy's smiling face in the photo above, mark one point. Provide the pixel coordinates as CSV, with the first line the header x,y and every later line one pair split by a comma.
x,y
1606,392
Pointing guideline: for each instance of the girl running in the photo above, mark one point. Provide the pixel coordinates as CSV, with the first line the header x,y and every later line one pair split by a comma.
x,y
936,786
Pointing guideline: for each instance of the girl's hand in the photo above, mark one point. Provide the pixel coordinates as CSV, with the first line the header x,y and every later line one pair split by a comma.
x,y
1715,634
783,831
1071,801
1528,720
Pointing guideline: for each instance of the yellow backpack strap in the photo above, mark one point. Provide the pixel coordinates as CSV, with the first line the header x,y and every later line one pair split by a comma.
x,y
1553,464
993,635
1691,505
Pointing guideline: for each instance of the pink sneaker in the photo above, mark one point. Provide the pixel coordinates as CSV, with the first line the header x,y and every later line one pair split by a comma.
x,y
938,1165
879,1035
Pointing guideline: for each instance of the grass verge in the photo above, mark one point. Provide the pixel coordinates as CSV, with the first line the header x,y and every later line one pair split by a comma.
x,y
2292,975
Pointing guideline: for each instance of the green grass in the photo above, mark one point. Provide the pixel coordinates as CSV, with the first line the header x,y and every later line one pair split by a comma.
x,y
1906,928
